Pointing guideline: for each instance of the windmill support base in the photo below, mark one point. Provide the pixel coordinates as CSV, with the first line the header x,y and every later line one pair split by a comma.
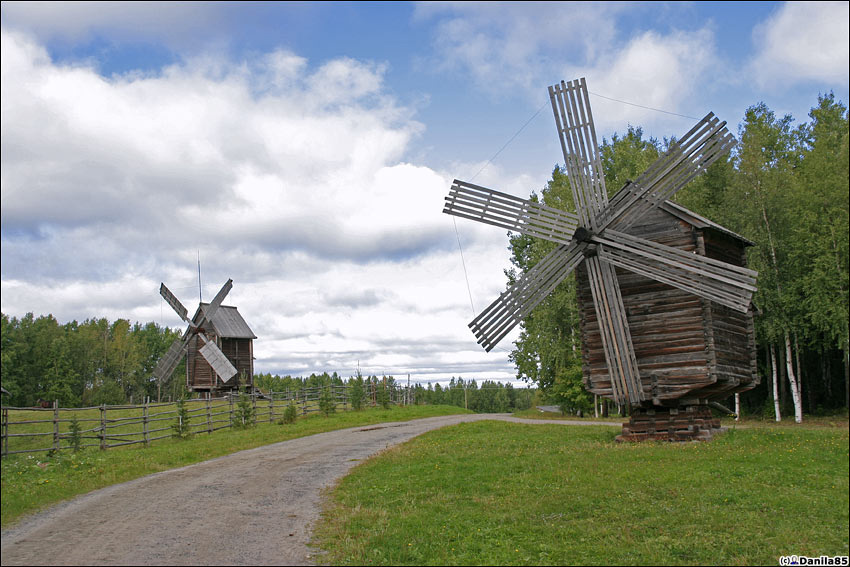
x,y
688,423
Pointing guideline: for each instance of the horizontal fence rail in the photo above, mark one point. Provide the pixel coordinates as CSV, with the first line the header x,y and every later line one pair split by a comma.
x,y
30,430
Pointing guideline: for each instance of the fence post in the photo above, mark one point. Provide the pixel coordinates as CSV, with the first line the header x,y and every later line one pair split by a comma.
x,y
5,432
271,406
304,401
230,398
55,425
145,421
102,427
209,415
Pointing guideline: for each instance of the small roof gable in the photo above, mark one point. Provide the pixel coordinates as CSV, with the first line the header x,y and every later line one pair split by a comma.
x,y
227,322
698,221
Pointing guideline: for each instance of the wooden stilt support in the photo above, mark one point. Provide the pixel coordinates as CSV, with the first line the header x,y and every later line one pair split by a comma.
x,y
653,423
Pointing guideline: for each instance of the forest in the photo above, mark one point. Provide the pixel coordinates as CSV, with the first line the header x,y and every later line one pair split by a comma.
x,y
785,188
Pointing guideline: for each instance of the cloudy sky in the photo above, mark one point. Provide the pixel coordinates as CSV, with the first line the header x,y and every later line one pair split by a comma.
x,y
304,150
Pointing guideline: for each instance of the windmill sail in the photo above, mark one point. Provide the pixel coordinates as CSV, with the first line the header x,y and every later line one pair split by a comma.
x,y
172,300
216,359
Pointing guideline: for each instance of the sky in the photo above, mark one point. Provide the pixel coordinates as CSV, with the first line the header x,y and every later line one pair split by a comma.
x,y
304,150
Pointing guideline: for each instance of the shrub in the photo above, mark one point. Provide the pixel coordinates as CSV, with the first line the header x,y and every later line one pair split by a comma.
x,y
356,392
289,414
181,423
327,404
244,414
75,436
383,396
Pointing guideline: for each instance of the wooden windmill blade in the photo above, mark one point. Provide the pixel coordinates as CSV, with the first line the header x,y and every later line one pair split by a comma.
x,y
506,312
175,304
718,281
216,359
492,207
166,365
696,283
574,121
217,301
703,145
614,329
577,135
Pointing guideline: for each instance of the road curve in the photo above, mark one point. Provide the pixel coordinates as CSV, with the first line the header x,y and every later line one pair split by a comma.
x,y
254,507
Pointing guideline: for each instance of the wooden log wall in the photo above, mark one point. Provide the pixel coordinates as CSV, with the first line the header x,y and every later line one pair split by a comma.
x,y
685,346
200,375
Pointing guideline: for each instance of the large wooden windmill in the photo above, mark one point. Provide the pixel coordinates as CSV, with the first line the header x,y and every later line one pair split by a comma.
x,y
616,240
217,344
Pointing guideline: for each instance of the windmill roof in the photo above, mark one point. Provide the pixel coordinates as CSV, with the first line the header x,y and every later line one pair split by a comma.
x,y
698,221
227,322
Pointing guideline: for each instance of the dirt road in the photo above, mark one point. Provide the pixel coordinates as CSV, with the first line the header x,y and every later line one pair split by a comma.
x,y
255,507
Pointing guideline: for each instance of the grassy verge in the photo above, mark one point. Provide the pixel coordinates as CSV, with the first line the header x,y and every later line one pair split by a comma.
x,y
492,493
33,482
534,413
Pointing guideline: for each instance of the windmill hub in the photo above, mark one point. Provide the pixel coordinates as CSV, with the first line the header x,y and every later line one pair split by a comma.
x,y
582,235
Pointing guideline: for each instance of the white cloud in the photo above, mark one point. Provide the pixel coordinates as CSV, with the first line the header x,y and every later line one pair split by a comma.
x,y
803,41
288,178
657,71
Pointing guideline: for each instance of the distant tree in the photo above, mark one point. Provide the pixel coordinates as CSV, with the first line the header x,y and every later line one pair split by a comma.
x,y
356,392
244,414
290,414
383,395
327,403
181,426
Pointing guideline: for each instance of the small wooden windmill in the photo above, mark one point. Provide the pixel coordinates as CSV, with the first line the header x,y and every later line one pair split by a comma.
x,y
608,239
217,344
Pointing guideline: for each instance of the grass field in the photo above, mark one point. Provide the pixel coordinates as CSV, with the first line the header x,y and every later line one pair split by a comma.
x,y
33,482
493,493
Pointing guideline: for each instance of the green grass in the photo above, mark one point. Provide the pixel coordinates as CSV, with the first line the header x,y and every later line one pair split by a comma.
x,y
494,493
534,413
32,482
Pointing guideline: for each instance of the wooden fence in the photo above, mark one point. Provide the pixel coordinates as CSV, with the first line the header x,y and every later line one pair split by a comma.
x,y
25,430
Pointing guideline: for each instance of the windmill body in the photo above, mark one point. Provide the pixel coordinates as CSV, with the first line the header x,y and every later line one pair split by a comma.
x,y
688,350
234,338
642,262
217,343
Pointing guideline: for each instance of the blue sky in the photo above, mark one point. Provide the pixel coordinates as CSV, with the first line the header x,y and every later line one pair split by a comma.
x,y
303,149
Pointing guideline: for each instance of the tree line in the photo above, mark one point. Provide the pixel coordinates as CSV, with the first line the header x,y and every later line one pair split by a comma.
x,y
100,362
490,397
785,188
83,364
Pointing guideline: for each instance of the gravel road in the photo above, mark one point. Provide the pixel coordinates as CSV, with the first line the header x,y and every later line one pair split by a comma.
x,y
254,507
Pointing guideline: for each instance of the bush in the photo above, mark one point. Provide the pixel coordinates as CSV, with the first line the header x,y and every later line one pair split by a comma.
x,y
289,414
75,436
383,396
327,404
244,415
181,423
356,394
